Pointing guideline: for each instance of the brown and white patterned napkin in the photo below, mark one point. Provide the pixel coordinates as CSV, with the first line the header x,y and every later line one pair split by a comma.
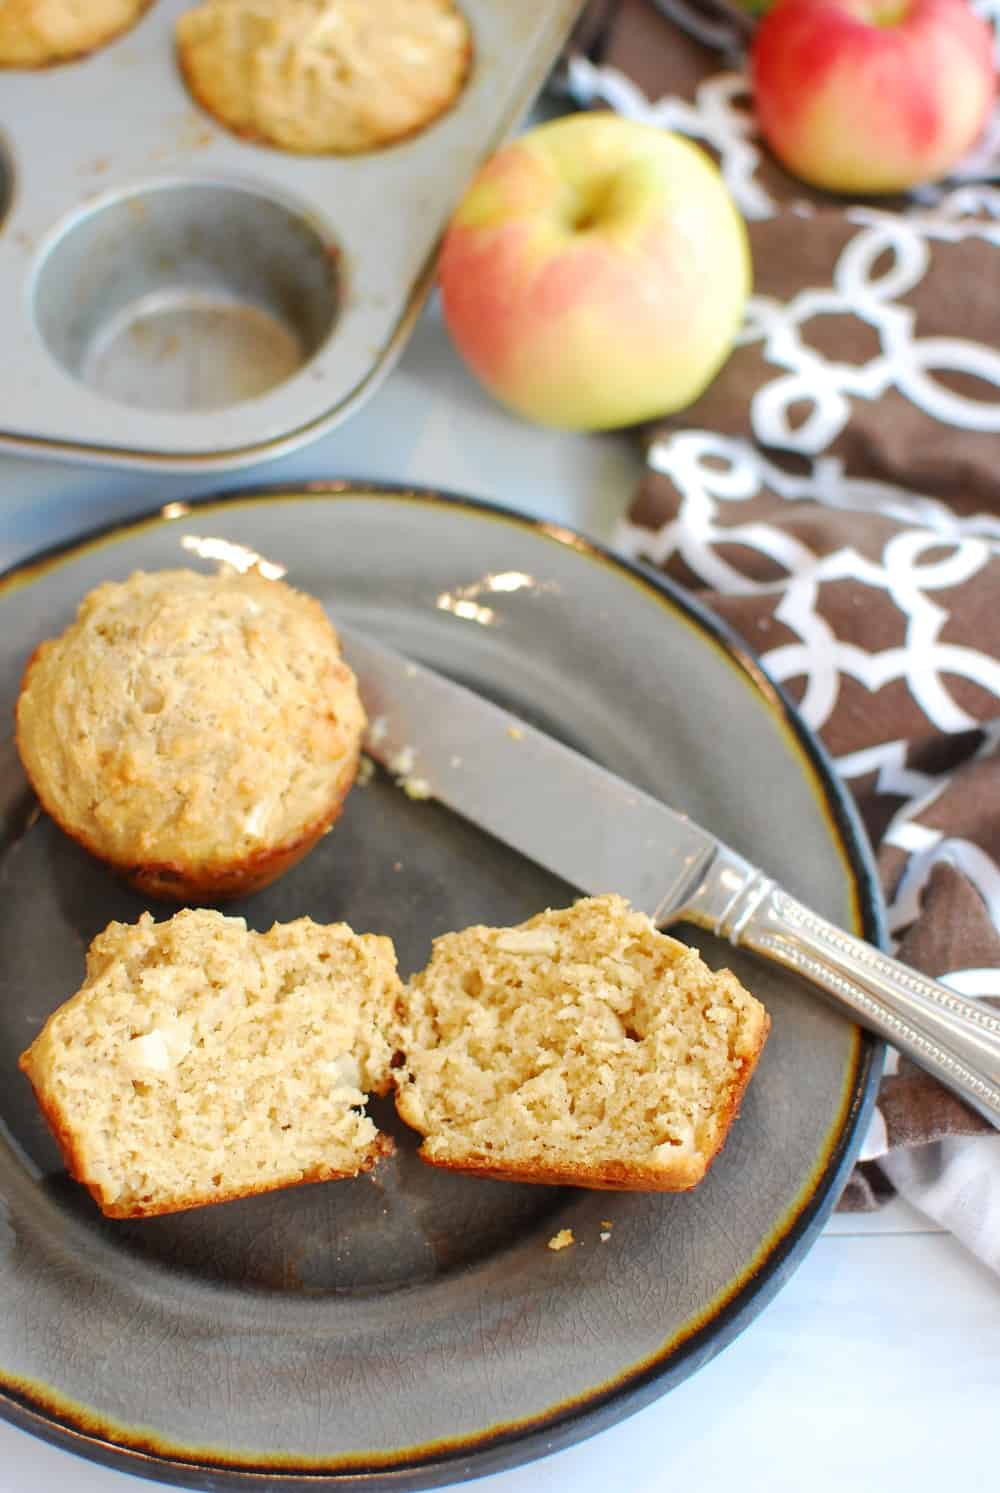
x,y
835,495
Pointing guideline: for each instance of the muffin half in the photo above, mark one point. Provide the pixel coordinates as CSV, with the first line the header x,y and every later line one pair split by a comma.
x,y
582,1048
201,1062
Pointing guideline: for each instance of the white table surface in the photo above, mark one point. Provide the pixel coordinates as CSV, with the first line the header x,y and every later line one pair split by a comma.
x,y
878,1366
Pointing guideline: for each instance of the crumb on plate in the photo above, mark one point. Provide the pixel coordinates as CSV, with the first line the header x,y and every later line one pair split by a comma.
x,y
402,763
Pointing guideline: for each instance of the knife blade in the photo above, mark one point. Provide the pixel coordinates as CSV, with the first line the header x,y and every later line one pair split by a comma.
x,y
552,804
602,834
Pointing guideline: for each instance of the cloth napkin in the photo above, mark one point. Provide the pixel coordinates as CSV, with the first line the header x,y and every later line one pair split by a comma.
x,y
835,496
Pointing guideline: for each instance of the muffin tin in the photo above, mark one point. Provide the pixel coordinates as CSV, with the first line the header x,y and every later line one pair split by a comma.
x,y
173,296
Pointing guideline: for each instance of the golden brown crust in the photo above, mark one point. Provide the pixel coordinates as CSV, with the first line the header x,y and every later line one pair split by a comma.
x,y
53,1118
381,1146
618,1176
608,1177
29,40
174,883
746,1070
171,882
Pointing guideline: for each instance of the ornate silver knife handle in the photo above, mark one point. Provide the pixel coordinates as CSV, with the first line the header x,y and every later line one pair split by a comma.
x,y
952,1038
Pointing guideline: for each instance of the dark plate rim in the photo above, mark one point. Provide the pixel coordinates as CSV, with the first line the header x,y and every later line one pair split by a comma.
x,y
504,1447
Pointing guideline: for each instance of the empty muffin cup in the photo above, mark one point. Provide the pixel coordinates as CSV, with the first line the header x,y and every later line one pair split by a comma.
x,y
186,296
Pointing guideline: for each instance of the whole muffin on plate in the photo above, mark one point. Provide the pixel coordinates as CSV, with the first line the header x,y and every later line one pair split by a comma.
x,y
325,76
34,33
198,733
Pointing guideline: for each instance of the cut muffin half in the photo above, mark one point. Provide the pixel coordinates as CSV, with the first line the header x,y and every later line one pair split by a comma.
x,y
581,1048
201,1062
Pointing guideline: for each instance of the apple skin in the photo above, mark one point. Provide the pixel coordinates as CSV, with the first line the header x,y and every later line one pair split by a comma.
x,y
595,273
867,96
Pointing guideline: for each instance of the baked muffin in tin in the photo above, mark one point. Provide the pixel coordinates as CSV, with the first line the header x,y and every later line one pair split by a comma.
x,y
325,76
34,33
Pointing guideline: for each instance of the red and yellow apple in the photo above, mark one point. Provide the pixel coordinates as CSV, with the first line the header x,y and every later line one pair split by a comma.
x,y
869,96
595,273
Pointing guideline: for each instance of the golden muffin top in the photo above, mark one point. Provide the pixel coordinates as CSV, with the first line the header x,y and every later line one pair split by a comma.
x,y
325,75
190,719
34,33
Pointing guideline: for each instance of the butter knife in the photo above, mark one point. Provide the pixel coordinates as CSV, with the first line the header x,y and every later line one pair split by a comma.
x,y
602,834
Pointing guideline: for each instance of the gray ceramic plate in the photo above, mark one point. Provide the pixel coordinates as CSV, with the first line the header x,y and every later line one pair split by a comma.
x,y
412,1328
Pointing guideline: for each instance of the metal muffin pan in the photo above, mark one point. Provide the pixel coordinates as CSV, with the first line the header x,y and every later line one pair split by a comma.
x,y
172,296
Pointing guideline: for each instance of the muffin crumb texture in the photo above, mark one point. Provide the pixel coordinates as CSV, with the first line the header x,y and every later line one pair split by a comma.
x,y
199,732
201,1061
334,76
563,1240
583,1047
